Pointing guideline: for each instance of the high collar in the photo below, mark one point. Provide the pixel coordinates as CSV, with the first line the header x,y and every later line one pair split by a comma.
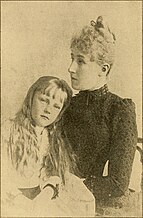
x,y
97,93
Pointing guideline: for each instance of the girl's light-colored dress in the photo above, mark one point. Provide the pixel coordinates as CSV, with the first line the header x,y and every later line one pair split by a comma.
x,y
74,198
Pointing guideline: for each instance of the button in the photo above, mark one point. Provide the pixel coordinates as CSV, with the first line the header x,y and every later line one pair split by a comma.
x,y
94,177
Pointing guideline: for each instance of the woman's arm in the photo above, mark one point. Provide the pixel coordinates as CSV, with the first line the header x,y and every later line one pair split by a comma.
x,y
123,147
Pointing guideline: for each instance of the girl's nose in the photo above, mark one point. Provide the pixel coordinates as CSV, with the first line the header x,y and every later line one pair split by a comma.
x,y
72,68
47,109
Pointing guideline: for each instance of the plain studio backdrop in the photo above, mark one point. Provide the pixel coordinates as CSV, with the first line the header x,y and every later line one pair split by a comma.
x,y
36,42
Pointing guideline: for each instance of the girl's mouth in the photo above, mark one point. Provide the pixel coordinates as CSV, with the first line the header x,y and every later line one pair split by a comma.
x,y
45,117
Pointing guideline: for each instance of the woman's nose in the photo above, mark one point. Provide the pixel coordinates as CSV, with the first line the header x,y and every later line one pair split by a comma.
x,y
72,68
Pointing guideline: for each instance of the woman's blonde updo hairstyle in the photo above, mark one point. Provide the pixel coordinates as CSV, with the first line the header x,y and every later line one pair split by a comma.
x,y
96,40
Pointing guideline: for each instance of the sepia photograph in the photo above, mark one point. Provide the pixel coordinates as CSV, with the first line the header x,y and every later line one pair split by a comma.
x,y
71,109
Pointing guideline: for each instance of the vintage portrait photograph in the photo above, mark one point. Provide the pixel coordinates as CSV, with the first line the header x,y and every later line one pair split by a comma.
x,y
71,109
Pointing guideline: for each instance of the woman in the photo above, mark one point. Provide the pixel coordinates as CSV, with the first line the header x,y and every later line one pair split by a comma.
x,y
100,125
38,165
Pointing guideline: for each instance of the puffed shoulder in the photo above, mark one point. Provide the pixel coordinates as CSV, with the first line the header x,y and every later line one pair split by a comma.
x,y
124,118
124,105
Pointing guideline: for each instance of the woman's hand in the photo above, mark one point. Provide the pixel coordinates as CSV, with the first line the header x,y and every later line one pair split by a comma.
x,y
46,194
47,190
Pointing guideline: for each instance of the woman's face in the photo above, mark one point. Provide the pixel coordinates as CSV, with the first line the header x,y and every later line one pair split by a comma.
x,y
84,73
46,108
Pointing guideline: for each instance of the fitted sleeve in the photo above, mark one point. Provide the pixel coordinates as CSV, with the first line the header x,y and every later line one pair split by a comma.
x,y
122,151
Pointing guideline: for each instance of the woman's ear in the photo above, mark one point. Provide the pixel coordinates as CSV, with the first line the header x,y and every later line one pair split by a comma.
x,y
106,69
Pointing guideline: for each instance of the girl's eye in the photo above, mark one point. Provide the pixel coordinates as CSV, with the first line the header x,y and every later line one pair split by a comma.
x,y
57,106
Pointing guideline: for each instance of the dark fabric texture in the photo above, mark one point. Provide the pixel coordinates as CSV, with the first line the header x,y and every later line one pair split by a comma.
x,y
30,193
101,128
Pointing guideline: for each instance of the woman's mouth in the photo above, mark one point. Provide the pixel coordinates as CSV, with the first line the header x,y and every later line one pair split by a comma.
x,y
73,78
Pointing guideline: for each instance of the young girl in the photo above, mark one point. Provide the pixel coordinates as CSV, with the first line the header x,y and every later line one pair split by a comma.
x,y
37,162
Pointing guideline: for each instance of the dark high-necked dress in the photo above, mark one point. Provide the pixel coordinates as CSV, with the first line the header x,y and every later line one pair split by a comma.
x,y
101,127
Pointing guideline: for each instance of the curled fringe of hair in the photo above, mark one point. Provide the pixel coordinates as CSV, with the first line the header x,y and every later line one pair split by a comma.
x,y
96,39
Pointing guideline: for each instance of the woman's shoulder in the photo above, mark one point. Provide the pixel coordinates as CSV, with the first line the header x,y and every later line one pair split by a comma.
x,y
122,104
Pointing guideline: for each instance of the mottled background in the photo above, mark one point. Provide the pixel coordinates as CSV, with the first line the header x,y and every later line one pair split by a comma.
x,y
36,42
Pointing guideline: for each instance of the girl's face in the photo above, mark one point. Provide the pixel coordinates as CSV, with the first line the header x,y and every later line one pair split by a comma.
x,y
47,106
84,73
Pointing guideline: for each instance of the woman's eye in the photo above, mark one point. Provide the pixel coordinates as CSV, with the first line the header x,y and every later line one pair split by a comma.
x,y
81,61
42,99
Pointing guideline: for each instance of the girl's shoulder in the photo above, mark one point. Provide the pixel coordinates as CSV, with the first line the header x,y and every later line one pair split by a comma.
x,y
8,121
6,126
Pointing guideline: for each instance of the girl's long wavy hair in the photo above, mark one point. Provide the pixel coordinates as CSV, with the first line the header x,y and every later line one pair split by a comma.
x,y
23,143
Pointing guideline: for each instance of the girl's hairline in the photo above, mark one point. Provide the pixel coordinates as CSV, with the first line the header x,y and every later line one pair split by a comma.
x,y
42,90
